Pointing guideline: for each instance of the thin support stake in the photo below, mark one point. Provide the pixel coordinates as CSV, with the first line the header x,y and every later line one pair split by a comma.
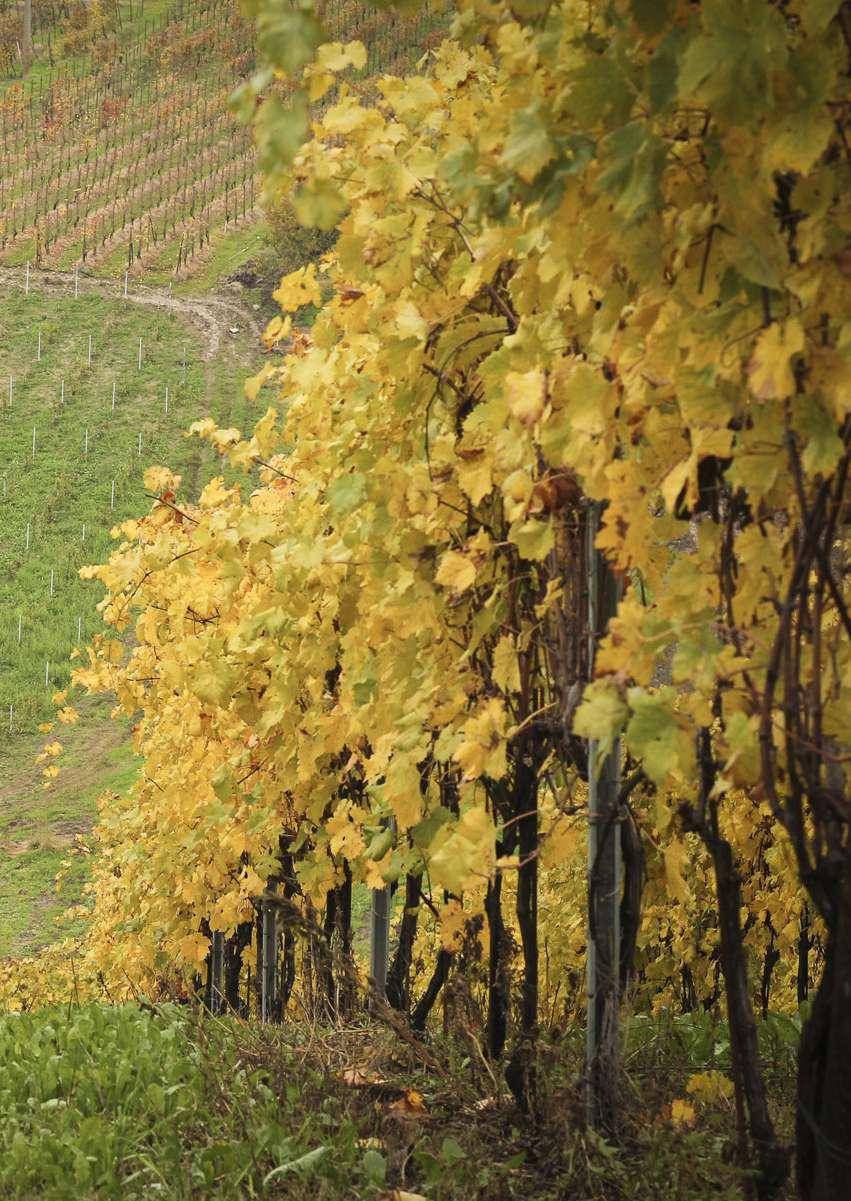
x,y
112,497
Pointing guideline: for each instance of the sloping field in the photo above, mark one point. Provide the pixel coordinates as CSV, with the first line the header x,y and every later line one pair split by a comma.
x,y
94,390
72,467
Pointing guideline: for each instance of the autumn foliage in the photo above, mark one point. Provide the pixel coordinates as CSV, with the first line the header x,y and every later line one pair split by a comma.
x,y
589,254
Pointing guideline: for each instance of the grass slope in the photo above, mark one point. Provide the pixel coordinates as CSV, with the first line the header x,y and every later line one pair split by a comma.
x,y
58,502
43,831
64,496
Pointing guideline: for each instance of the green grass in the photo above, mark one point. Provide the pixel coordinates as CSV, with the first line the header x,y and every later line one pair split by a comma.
x,y
63,495
138,1101
121,1103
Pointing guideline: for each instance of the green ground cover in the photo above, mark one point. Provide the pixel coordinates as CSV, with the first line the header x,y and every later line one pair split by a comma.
x,y
138,1101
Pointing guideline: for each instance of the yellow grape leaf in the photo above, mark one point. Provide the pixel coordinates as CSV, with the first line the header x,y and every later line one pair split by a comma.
x,y
674,856
506,669
467,855
474,472
451,924
298,288
601,715
710,1087
250,883
526,395
483,749
346,838
770,370
193,948
254,383
682,1114
402,791
410,322
456,571
160,479
214,683
336,56
559,843
534,539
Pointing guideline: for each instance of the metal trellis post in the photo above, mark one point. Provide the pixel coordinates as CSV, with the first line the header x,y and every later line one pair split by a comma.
x,y
604,871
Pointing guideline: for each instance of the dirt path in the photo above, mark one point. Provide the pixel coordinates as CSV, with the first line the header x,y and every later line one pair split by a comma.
x,y
215,316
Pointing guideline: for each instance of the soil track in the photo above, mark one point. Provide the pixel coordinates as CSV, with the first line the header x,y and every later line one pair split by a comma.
x,y
216,316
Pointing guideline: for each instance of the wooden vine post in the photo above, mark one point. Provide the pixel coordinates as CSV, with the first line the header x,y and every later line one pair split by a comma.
x,y
604,870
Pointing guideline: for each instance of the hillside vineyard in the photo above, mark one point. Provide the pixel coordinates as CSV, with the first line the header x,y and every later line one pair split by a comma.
x,y
482,667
